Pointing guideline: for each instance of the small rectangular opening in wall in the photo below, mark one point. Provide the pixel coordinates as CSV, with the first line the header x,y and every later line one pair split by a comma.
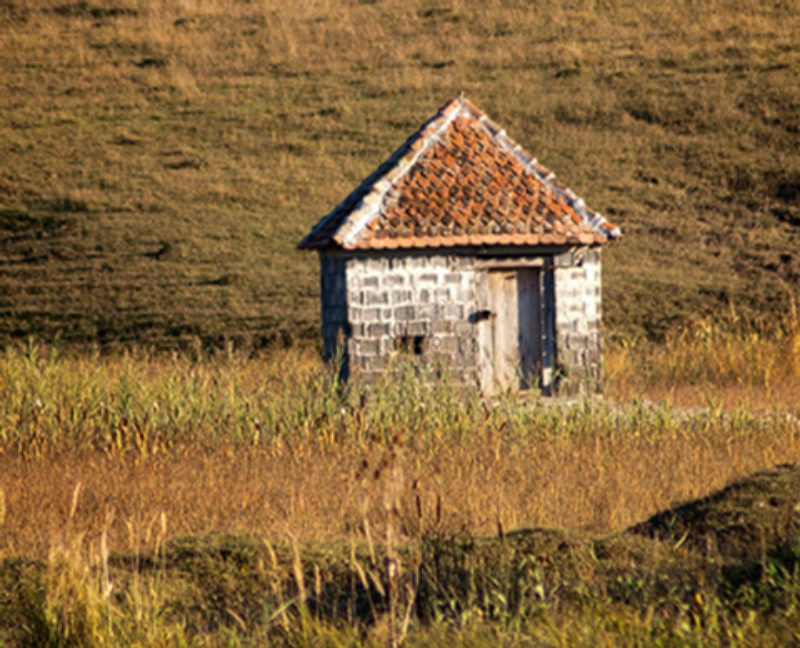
x,y
410,344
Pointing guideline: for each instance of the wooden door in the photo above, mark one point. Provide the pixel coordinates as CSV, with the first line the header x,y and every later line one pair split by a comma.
x,y
505,356
520,328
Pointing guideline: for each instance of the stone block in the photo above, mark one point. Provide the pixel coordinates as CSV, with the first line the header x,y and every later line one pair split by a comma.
x,y
376,298
370,314
428,277
377,330
453,278
417,328
466,295
427,312
368,347
401,296
369,282
392,280
441,295
441,327
376,264
452,311
404,313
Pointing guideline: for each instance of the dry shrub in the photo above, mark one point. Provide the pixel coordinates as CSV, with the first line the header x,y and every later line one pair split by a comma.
x,y
720,360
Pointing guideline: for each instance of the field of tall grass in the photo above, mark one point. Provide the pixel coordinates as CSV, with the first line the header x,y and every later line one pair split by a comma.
x,y
118,473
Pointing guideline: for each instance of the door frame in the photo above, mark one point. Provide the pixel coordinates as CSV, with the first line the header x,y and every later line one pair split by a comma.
x,y
546,324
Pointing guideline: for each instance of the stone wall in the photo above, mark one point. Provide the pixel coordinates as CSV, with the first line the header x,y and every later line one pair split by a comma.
x,y
426,307
578,323
413,305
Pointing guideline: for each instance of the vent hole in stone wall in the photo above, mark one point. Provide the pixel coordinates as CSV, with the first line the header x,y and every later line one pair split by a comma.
x,y
410,344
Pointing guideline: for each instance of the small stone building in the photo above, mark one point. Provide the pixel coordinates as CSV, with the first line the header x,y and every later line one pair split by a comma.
x,y
461,251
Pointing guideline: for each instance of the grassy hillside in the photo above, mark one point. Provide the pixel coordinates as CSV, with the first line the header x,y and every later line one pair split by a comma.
x,y
160,160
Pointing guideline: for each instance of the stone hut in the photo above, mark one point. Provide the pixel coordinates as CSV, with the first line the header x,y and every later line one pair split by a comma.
x,y
462,251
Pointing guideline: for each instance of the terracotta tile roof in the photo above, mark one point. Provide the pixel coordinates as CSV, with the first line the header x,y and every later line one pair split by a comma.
x,y
459,181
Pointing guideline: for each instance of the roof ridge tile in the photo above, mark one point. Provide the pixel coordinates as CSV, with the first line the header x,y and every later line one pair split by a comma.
x,y
460,171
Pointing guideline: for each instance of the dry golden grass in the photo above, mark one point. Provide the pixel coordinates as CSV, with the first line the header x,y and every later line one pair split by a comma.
x,y
714,362
119,445
306,491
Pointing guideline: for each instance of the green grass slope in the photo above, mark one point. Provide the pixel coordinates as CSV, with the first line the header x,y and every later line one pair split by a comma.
x,y
160,161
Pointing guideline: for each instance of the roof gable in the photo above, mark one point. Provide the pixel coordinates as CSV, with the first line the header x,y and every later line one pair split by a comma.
x,y
459,181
